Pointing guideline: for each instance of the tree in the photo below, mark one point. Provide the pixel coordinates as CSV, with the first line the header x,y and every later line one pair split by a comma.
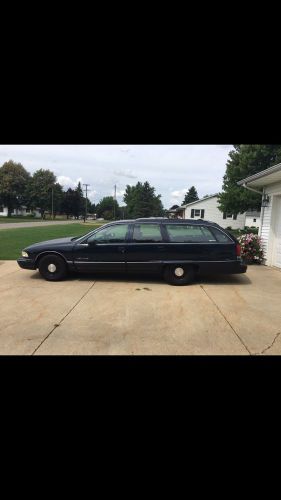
x,y
73,202
13,183
107,208
190,196
80,201
39,190
244,161
58,196
141,201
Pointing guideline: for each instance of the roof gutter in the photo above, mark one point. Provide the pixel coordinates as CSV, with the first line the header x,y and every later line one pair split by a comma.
x,y
251,189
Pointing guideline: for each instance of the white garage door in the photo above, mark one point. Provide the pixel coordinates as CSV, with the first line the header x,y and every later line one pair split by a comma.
x,y
277,242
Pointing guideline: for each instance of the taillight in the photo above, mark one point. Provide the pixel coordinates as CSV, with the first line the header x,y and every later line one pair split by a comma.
x,y
238,250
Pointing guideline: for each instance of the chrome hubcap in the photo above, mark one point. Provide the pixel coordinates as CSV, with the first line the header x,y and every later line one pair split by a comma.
x,y
179,272
52,268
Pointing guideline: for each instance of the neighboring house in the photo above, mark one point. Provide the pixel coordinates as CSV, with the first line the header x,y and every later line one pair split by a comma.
x,y
268,184
208,209
253,218
20,211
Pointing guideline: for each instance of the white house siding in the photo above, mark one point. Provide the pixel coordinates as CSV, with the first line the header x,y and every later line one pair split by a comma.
x,y
266,230
3,211
249,221
213,214
19,211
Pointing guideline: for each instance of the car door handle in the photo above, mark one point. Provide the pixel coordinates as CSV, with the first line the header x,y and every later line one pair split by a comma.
x,y
122,249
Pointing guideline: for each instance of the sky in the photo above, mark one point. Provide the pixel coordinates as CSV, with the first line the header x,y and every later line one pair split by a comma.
x,y
170,169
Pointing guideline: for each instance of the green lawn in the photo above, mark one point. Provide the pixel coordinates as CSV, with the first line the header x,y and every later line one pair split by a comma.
x,y
12,241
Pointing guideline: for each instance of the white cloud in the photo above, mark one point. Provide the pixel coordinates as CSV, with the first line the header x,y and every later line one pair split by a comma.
x,y
67,182
125,173
179,194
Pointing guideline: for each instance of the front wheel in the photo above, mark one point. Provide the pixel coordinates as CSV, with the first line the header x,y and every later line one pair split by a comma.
x,y
179,274
52,268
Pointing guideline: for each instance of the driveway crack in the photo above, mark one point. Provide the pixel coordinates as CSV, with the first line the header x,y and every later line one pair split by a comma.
x,y
65,316
269,347
234,331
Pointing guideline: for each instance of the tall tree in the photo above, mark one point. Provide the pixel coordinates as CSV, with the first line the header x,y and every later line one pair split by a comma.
x,y
13,183
107,208
39,191
58,196
244,161
68,202
80,201
190,196
142,201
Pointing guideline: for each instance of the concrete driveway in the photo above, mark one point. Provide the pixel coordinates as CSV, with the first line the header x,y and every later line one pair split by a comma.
x,y
237,314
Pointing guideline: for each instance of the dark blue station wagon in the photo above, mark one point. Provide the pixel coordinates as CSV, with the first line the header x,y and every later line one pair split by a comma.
x,y
177,249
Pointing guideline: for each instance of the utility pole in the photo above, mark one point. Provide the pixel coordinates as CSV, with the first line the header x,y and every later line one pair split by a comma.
x,y
85,216
52,203
114,202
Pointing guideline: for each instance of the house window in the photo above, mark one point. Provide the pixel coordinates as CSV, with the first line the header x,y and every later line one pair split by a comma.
x,y
197,213
228,216
1,209
27,210
254,220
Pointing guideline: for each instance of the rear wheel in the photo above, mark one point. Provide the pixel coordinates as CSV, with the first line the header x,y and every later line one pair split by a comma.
x,y
179,274
52,268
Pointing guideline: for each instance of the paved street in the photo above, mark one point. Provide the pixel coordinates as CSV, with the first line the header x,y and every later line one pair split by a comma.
x,y
118,315
13,225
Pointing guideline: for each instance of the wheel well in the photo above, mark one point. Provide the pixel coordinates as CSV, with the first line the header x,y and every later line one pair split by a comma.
x,y
39,257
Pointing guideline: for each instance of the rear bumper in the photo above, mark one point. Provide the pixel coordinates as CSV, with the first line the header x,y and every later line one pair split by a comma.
x,y
25,263
231,267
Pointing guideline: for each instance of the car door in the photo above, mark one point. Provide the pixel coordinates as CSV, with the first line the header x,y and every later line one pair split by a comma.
x,y
146,248
103,251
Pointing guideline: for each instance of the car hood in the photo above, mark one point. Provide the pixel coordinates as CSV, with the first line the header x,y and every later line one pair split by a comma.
x,y
58,241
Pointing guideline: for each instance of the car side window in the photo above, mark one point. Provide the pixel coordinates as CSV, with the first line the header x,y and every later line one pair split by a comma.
x,y
112,234
147,233
220,236
184,233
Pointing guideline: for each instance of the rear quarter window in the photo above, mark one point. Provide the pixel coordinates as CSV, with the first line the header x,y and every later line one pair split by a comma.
x,y
220,236
184,233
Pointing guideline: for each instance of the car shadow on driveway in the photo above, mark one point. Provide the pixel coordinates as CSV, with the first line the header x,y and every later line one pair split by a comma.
x,y
206,279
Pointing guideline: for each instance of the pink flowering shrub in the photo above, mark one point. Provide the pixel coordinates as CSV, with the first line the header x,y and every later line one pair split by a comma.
x,y
251,247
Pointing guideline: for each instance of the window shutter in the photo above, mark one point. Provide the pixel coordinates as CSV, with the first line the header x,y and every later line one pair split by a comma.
x,y
192,213
235,217
224,215
202,214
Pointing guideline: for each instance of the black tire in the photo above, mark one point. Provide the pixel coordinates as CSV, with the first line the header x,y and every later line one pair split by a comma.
x,y
179,274
52,267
